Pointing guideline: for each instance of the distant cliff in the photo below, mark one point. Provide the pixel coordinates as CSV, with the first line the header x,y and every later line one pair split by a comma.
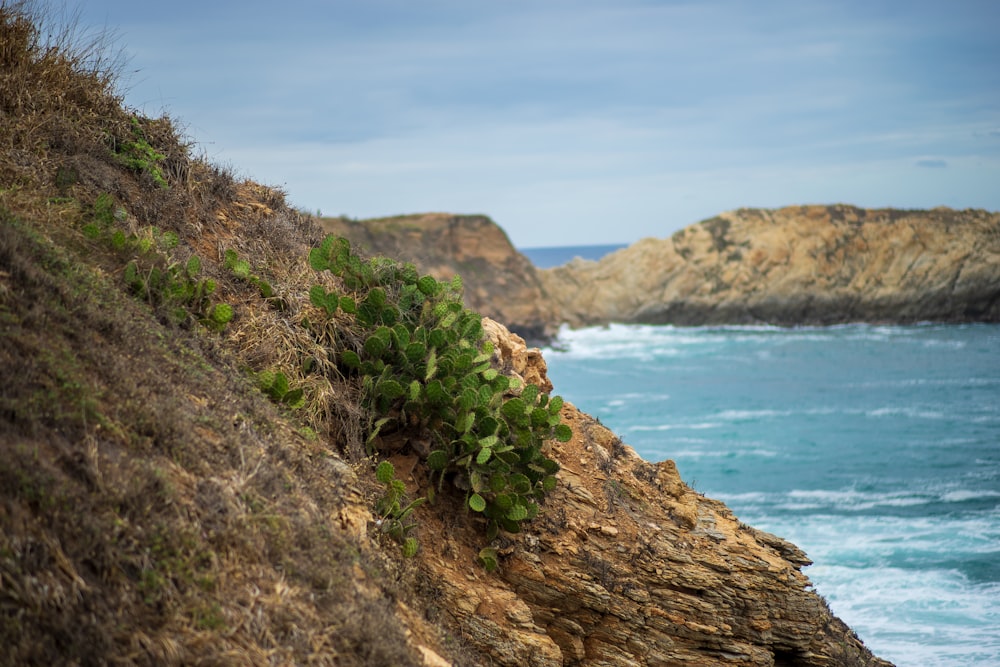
x,y
499,281
795,265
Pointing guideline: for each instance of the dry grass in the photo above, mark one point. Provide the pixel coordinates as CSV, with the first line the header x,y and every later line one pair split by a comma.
x,y
155,507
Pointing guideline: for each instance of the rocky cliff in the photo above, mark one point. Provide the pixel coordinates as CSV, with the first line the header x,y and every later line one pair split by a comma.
x,y
628,565
499,281
795,265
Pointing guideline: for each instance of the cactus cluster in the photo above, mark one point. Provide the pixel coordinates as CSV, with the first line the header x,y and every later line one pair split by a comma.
x,y
172,287
177,288
425,367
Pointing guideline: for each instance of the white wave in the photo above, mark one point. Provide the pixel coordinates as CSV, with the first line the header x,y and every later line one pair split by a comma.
x,y
857,500
928,382
671,427
952,344
873,541
854,501
750,497
964,495
744,415
906,412
986,419
633,398
915,618
721,454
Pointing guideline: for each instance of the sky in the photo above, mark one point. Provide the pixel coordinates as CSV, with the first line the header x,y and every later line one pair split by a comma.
x,y
578,122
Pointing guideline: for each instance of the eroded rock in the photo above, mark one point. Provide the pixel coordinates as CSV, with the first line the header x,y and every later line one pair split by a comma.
x,y
627,565
794,266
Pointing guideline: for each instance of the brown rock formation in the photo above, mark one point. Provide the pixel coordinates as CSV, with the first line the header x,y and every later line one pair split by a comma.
x,y
499,281
629,566
795,265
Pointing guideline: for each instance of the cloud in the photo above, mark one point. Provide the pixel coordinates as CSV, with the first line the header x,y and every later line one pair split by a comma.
x,y
614,118
932,163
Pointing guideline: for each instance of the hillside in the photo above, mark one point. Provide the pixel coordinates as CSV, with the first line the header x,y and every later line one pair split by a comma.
x,y
795,266
201,394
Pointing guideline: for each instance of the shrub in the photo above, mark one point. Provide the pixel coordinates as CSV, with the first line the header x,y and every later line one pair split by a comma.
x,y
394,517
275,385
425,368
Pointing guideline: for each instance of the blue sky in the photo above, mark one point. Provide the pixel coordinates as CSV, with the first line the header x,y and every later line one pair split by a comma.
x,y
591,121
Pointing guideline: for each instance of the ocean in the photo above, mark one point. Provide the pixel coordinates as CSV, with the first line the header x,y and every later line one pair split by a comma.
x,y
874,448
548,257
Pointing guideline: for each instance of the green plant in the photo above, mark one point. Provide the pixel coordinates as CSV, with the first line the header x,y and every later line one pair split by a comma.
x,y
242,270
140,156
394,517
488,558
102,217
173,286
275,385
210,617
425,368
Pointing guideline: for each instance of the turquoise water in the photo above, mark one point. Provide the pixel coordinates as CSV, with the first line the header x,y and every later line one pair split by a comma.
x,y
874,448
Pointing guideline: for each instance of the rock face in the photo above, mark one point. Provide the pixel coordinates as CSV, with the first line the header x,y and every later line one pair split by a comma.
x,y
795,265
499,281
627,565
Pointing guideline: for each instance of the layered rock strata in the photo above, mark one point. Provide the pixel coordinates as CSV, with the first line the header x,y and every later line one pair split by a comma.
x,y
795,265
627,565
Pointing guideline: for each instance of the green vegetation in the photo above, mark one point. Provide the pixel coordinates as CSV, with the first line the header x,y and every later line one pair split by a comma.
x,y
241,269
172,286
394,516
275,385
136,153
426,373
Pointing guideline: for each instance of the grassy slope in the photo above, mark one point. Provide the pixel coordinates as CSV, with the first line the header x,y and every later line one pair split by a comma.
x,y
155,507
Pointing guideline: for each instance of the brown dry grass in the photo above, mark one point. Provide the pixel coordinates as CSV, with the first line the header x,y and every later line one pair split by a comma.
x,y
155,508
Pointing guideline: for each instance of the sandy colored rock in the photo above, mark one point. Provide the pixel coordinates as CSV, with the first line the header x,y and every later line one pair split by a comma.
x,y
795,265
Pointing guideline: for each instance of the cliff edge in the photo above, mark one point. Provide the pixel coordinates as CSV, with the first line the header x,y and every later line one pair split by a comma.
x,y
797,265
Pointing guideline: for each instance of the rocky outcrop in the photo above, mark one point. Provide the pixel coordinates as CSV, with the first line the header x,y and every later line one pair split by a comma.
x,y
795,265
627,565
499,281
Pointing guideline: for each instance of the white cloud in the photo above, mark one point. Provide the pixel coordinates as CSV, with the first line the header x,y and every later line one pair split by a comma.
x,y
601,120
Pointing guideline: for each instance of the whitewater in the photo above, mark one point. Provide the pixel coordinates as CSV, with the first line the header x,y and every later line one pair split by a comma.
x,y
876,449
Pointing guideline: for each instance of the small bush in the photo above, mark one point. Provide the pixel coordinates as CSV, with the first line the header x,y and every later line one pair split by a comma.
x,y
172,287
394,517
275,385
425,368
